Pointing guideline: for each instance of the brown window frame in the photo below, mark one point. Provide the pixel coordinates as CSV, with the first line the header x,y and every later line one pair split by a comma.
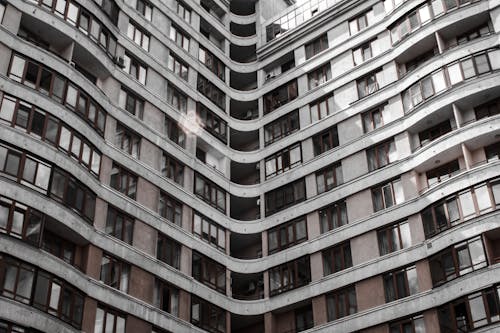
x,y
59,247
107,313
117,175
212,123
174,132
170,208
320,108
87,209
177,66
162,289
127,140
209,272
368,84
209,316
290,275
119,224
282,194
207,230
385,202
319,76
326,140
165,244
488,109
333,216
280,96
342,309
370,122
142,7
84,106
208,189
323,176
282,161
210,91
378,156
118,269
135,69
171,168
316,46
286,235
138,35
441,275
392,283
332,255
131,103
284,125
181,38
213,63
183,11
394,235
176,98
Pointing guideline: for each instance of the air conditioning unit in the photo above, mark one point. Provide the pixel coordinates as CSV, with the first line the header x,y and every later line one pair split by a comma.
x,y
120,62
72,64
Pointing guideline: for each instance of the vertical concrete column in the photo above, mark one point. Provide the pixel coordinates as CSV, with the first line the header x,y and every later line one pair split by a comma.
x,y
187,218
150,154
304,116
5,55
457,116
101,210
188,181
261,146
424,279
307,150
135,325
319,310
364,247
195,20
313,225
416,229
145,237
389,74
141,284
12,19
154,118
184,305
299,55
93,262
260,104
431,321
186,259
147,194
265,246
267,287
316,262
89,313
262,205
495,17
409,181
466,156
67,52
122,24
370,293
359,205
403,145
440,42
302,85
349,129
269,325
229,291
311,189
228,321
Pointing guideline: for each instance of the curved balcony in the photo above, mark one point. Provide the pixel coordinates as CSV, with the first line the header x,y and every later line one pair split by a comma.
x,y
331,282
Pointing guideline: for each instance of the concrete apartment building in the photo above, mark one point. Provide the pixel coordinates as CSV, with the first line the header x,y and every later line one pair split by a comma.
x,y
249,166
